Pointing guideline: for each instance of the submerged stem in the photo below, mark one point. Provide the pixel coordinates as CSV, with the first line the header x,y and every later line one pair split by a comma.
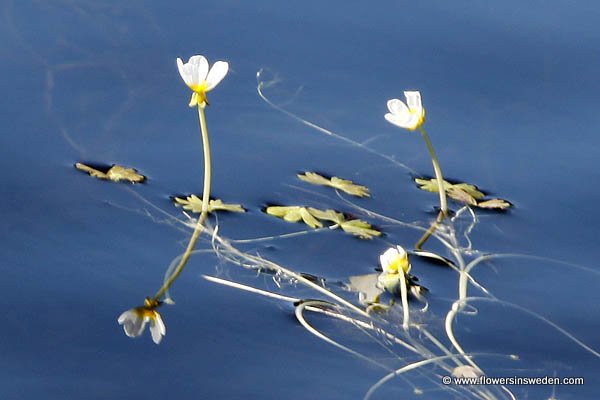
x,y
437,170
432,228
203,215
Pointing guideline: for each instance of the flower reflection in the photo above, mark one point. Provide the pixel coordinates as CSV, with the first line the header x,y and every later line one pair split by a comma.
x,y
196,74
134,321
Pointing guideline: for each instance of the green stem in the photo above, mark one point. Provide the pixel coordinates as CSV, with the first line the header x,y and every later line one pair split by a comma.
x,y
203,215
430,231
437,170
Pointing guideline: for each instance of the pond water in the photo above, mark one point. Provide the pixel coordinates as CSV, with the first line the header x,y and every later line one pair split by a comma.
x,y
511,93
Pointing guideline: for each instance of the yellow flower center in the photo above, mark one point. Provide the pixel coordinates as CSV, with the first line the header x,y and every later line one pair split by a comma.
x,y
421,117
199,95
397,264
143,312
199,88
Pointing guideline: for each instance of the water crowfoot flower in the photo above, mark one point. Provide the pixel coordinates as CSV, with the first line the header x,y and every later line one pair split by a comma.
x,y
396,266
134,321
394,260
409,117
196,74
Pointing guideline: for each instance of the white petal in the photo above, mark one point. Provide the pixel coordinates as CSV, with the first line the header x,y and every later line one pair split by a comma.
x,y
133,324
413,99
157,328
401,251
407,120
126,315
161,324
397,107
198,69
216,74
386,258
183,71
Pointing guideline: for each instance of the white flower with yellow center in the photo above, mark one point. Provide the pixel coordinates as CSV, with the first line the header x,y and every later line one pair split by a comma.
x,y
394,260
410,115
394,277
395,265
134,321
196,74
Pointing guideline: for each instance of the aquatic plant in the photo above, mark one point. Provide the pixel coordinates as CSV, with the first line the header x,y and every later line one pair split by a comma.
x,y
412,117
414,339
134,321
196,74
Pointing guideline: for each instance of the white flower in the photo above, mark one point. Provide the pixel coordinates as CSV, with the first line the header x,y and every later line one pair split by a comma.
x,y
409,117
134,321
196,74
394,260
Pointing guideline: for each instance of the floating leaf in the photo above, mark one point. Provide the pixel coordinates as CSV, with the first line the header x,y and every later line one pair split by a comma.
x,y
337,183
194,204
328,215
460,195
310,216
116,173
355,227
431,185
359,228
497,204
294,214
470,189
93,172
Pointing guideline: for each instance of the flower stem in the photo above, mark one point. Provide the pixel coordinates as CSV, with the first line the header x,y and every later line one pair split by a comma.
x,y
404,295
204,213
438,172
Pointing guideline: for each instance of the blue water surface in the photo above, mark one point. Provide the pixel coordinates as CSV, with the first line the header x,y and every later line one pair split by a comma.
x,y
511,94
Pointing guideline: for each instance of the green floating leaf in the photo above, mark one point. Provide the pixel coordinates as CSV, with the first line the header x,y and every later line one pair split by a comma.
x,y
460,195
431,185
337,183
311,216
497,204
116,173
194,204
294,214
328,215
356,227
360,228
465,193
